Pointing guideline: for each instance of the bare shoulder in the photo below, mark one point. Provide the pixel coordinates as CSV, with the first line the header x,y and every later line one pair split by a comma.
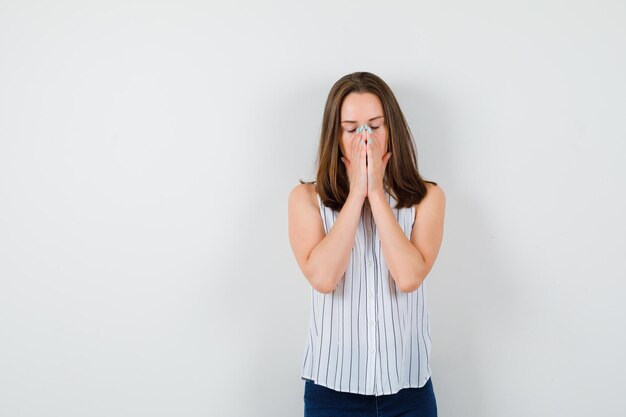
x,y
303,195
435,192
434,202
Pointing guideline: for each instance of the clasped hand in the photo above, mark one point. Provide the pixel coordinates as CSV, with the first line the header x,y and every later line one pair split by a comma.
x,y
366,163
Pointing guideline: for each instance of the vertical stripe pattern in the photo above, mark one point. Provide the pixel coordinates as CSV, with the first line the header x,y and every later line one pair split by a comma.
x,y
367,336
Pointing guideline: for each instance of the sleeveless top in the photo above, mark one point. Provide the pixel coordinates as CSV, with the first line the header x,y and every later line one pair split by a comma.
x,y
367,336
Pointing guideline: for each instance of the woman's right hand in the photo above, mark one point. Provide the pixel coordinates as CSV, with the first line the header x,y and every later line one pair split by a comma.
x,y
356,165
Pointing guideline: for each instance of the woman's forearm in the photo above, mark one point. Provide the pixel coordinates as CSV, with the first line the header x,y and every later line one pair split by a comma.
x,y
405,262
328,260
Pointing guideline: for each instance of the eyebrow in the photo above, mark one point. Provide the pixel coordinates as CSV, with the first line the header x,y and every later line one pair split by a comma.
x,y
352,121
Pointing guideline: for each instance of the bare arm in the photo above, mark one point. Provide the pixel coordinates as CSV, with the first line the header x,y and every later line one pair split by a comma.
x,y
410,261
323,258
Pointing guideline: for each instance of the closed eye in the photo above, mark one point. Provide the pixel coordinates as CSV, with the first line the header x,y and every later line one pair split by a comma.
x,y
353,130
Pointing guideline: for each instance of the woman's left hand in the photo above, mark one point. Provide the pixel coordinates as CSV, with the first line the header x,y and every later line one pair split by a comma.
x,y
376,165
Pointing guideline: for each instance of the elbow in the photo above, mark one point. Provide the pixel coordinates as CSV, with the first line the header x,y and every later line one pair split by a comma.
x,y
322,285
322,282
327,289
407,286
319,278
412,283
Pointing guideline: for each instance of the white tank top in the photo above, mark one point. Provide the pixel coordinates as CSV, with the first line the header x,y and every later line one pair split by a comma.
x,y
367,336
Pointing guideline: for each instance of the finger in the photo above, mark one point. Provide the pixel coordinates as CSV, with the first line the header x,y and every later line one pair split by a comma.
x,y
376,152
372,142
369,140
354,148
363,148
363,154
362,137
370,150
355,142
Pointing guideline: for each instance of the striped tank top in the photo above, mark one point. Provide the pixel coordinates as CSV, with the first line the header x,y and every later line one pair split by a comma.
x,y
367,336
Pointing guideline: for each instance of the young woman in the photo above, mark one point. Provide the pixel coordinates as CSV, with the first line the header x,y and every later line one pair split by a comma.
x,y
365,234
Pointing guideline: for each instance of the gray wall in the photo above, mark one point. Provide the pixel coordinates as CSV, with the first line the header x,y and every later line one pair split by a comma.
x,y
147,150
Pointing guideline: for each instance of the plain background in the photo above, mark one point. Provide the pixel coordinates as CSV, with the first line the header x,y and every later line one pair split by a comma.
x,y
148,149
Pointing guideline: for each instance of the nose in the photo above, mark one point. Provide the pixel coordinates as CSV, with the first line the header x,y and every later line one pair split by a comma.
x,y
363,128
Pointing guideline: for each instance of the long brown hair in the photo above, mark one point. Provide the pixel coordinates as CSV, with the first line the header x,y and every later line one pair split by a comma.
x,y
402,179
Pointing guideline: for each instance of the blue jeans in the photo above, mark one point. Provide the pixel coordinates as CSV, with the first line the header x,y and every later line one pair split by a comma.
x,y
320,401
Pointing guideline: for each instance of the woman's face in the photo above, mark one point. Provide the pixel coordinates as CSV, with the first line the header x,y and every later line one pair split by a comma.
x,y
358,109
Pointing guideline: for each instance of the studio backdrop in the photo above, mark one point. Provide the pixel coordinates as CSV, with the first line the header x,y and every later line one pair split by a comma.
x,y
147,151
